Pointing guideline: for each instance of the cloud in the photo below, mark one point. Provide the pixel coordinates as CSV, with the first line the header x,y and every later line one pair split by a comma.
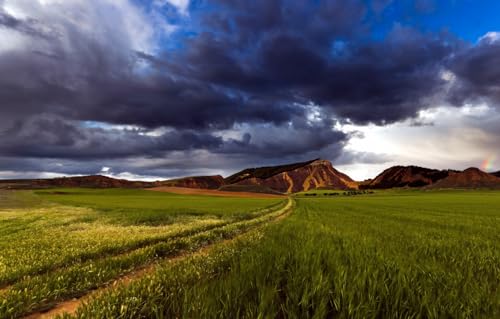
x,y
477,77
235,83
47,136
458,139
291,61
53,137
298,138
181,5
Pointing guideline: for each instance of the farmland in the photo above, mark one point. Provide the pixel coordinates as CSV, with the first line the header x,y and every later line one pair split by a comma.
x,y
60,244
408,254
388,254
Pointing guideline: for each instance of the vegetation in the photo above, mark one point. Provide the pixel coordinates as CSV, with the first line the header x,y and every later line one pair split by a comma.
x,y
388,254
332,192
133,206
398,254
51,252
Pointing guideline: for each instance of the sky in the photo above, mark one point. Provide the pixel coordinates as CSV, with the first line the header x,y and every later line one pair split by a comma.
x,y
158,89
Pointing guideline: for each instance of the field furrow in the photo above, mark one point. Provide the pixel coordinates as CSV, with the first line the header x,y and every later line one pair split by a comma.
x,y
42,292
362,257
127,247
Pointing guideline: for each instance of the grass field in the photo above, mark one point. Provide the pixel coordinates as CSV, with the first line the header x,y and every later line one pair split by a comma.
x,y
132,206
60,243
389,254
398,254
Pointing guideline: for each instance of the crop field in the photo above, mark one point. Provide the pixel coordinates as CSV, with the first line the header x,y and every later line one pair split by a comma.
x,y
397,254
60,244
388,254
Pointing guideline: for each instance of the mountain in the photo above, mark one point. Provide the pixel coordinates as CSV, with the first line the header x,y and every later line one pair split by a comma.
x,y
205,182
497,174
405,176
283,178
294,177
98,181
93,181
470,178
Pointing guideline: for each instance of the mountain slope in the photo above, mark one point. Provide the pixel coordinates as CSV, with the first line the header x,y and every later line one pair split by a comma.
x,y
406,176
203,182
497,174
264,172
294,177
470,178
98,181
92,181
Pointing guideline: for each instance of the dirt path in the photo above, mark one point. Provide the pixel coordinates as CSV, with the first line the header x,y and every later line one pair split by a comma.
x,y
71,306
211,192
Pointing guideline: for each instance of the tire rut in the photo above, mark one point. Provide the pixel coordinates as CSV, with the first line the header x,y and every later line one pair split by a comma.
x,y
71,306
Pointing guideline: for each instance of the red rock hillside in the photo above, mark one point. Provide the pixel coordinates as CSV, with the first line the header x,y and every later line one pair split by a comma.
x,y
497,174
294,177
93,181
205,182
470,178
406,176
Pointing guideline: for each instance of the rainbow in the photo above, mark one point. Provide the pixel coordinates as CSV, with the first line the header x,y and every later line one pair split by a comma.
x,y
488,163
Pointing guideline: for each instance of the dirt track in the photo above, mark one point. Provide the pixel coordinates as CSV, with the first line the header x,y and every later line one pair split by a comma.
x,y
212,192
71,306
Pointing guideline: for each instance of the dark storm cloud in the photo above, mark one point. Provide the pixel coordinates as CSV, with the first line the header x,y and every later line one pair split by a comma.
x,y
385,82
249,21
260,68
76,76
296,138
82,77
477,73
53,137
56,138
364,81
103,90
31,27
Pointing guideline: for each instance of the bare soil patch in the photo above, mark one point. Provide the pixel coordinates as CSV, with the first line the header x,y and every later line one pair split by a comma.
x,y
211,192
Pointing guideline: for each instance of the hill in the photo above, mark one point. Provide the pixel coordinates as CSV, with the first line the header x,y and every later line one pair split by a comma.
x,y
405,176
289,178
202,182
98,181
470,178
92,181
497,174
295,177
264,172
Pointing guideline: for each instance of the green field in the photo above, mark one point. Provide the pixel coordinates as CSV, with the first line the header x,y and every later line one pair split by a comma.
x,y
390,254
57,244
131,206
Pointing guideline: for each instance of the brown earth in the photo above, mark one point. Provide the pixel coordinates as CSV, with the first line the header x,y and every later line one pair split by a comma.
x,y
249,189
92,181
470,178
264,172
406,176
282,179
295,177
98,181
212,192
206,182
